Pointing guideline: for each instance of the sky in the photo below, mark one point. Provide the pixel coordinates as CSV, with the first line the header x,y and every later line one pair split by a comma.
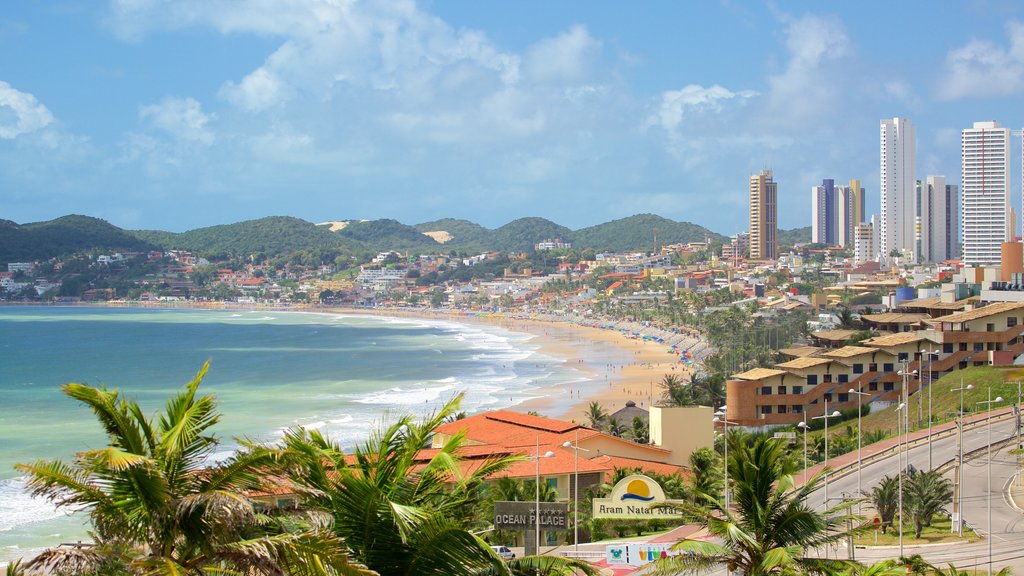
x,y
179,114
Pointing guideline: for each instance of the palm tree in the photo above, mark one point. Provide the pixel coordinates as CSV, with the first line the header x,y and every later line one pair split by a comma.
x,y
926,494
597,414
675,391
615,428
400,509
885,497
706,469
150,497
766,529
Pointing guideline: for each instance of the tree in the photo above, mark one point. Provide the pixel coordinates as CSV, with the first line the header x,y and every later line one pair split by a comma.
x,y
885,498
150,496
596,414
769,524
639,430
706,469
926,494
399,510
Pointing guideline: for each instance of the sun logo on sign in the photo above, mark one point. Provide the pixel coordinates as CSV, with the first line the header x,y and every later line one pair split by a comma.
x,y
638,490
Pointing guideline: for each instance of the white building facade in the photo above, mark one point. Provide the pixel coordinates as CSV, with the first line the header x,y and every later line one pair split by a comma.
x,y
985,198
897,147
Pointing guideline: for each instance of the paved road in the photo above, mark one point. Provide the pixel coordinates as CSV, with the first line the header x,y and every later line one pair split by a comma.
x,y
1007,521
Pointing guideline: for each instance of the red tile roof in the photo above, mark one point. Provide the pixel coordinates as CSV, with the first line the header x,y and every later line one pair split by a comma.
x,y
613,462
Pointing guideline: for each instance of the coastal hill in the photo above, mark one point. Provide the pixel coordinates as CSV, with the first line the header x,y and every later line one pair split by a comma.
x,y
64,235
278,235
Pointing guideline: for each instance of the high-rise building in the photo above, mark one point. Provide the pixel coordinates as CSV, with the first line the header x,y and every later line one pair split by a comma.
x,y
935,225
857,202
864,243
844,216
763,216
822,213
897,186
985,194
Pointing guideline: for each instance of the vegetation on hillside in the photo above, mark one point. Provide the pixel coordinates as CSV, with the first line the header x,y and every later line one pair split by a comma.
x,y
638,233
65,235
273,236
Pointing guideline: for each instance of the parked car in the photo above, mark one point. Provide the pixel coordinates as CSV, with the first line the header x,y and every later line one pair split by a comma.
x,y
504,552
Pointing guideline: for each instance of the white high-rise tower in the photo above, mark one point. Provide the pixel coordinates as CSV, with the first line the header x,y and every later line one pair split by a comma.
x,y
985,194
898,186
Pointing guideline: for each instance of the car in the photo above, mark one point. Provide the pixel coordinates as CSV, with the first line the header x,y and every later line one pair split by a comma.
x,y
504,552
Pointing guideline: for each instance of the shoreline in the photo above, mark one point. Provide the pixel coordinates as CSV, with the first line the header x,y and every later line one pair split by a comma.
x,y
636,379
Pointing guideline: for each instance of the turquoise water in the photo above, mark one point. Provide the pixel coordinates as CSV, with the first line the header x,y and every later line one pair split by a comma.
x,y
269,370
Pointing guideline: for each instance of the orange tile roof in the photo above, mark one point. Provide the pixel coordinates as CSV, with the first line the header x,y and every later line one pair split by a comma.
x,y
510,429
647,466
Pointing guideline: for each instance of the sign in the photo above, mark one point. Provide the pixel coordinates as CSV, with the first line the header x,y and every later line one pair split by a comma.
x,y
636,554
635,496
522,515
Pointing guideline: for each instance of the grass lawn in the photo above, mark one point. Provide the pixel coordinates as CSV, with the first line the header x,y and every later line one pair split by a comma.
x,y
937,533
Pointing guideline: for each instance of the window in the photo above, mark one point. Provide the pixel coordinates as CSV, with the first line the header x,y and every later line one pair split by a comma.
x,y
766,409
766,390
828,378
798,389
844,378
798,409
979,346
872,367
887,386
552,483
812,379
990,327
781,390
887,367
828,397
902,357
873,386
963,346
844,397
781,408
858,368
947,348
1011,321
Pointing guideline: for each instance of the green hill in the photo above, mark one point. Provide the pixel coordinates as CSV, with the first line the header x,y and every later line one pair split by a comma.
x,y
637,233
64,235
272,236
521,235
387,234
793,236
464,234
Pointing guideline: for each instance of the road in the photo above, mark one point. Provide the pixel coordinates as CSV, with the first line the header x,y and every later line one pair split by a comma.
x,y
1007,521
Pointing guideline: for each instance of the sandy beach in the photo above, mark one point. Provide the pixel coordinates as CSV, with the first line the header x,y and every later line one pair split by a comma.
x,y
637,379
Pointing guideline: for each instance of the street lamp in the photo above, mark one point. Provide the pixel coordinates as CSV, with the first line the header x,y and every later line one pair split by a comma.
x,y
536,457
905,393
900,413
988,424
930,354
576,492
803,425
720,419
860,398
958,500
825,417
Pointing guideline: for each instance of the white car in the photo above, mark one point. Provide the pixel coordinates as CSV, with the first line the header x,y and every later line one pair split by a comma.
x,y
504,552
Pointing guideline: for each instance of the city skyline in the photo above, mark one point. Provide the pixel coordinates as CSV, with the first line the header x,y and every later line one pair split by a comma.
x,y
187,114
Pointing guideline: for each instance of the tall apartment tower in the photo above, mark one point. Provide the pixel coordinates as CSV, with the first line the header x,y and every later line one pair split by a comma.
x,y
823,213
897,187
763,216
935,227
844,216
857,203
985,200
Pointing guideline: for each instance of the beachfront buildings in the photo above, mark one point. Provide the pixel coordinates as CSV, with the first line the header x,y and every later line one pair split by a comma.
x,y
926,339
764,195
985,212
935,223
897,142
835,212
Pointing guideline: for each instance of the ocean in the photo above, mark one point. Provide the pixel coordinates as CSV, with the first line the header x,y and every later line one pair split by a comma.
x,y
269,370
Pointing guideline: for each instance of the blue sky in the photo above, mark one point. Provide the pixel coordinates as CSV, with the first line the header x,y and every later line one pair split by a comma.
x,y
176,114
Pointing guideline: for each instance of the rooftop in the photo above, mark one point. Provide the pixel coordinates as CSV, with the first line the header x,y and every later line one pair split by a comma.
x,y
990,310
803,363
895,339
758,374
849,352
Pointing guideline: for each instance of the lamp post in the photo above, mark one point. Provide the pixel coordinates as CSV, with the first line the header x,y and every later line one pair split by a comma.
x,y
905,394
536,520
860,398
958,496
825,417
720,419
576,492
930,353
900,413
803,425
988,425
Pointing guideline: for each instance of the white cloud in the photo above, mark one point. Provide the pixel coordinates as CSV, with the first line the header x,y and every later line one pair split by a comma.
x,y
566,57
676,104
805,90
256,92
20,113
981,68
183,118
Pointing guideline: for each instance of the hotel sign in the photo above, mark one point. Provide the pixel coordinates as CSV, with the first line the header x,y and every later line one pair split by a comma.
x,y
635,496
522,515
